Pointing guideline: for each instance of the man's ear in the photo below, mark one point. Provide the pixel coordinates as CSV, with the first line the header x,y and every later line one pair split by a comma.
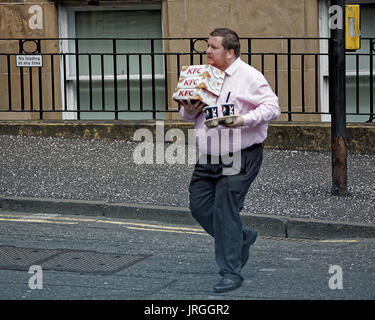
x,y
230,53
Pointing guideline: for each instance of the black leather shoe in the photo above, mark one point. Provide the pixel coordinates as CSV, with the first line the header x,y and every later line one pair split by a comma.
x,y
227,284
250,239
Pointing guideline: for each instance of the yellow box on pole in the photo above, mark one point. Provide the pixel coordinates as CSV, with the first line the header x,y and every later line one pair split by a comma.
x,y
353,37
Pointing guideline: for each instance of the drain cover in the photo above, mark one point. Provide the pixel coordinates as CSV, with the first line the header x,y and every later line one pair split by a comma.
x,y
82,261
91,262
22,258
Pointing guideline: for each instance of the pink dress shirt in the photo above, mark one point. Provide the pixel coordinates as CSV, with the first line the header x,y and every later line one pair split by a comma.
x,y
252,97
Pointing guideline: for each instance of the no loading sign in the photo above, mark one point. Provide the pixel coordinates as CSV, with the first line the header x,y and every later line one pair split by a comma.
x,y
29,60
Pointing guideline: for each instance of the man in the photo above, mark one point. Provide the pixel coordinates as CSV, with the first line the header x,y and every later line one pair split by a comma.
x,y
216,198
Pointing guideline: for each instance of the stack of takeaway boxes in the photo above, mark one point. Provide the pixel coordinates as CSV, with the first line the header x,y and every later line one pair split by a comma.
x,y
204,83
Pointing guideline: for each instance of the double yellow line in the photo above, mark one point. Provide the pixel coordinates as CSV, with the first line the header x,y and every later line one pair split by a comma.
x,y
128,225
34,220
160,228
40,218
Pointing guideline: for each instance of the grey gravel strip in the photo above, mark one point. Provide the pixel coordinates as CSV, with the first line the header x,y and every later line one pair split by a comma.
x,y
292,184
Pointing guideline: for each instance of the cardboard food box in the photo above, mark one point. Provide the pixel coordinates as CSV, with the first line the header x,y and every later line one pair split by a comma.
x,y
199,82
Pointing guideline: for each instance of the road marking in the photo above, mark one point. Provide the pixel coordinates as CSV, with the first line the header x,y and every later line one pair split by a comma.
x,y
154,226
129,225
292,259
36,221
110,222
267,270
74,219
43,219
167,230
47,216
342,240
308,240
286,239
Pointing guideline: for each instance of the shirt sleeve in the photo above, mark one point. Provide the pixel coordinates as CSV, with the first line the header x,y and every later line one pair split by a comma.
x,y
265,101
185,116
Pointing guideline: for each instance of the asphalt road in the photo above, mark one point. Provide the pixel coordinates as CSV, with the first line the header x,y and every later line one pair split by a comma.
x,y
180,263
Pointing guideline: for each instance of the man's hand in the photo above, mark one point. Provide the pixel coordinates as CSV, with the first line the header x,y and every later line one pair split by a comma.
x,y
238,122
192,109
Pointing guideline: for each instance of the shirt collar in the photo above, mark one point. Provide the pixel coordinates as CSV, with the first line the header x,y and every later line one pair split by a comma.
x,y
233,67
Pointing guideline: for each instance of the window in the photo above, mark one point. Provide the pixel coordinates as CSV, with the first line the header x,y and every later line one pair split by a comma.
x,y
354,93
363,91
108,81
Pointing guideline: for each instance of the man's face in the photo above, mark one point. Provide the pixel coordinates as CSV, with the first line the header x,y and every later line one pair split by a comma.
x,y
217,56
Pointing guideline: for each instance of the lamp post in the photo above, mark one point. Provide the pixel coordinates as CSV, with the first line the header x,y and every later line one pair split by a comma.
x,y
337,103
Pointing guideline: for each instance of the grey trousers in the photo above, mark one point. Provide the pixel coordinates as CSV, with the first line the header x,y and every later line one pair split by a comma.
x,y
216,201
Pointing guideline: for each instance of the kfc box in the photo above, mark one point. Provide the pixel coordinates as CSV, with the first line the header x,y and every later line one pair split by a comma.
x,y
204,70
199,82
206,83
195,94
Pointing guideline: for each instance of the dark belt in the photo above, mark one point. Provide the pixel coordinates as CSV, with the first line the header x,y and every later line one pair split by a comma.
x,y
253,147
249,149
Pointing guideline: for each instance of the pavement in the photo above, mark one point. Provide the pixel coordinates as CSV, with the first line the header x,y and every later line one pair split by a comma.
x,y
289,198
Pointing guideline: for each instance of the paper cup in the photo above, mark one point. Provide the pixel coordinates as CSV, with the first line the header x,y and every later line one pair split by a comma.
x,y
211,112
228,109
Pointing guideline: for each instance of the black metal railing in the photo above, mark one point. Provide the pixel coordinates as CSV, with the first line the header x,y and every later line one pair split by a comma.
x,y
84,78
361,74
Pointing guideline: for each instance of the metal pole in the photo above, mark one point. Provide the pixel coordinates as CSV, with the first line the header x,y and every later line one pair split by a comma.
x,y
337,101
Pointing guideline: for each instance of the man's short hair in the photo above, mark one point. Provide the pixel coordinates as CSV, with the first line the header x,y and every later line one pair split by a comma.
x,y
230,39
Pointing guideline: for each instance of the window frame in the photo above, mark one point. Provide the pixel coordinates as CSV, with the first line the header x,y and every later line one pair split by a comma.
x,y
324,32
63,12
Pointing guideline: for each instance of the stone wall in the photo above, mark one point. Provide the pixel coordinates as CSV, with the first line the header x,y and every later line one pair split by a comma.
x,y
181,18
